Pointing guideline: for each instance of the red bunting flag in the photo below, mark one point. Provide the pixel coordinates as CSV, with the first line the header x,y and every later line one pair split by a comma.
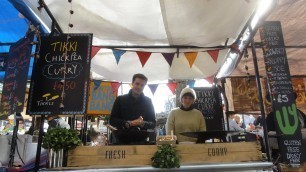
x,y
94,50
191,56
210,79
143,57
214,54
153,87
115,86
172,87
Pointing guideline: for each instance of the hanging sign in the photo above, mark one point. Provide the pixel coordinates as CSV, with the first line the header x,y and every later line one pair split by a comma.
x,y
60,81
101,98
15,78
210,104
283,102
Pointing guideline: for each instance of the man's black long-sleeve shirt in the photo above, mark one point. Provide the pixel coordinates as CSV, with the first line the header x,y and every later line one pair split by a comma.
x,y
128,108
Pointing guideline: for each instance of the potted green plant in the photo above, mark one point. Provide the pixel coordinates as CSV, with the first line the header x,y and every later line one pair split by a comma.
x,y
166,157
57,141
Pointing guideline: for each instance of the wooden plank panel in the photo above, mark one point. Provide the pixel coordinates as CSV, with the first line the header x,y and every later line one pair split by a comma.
x,y
140,155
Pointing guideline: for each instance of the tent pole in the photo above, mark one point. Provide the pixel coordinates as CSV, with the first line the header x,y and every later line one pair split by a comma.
x,y
40,139
42,2
267,147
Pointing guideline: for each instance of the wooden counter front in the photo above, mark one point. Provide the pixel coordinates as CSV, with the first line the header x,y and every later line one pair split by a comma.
x,y
140,155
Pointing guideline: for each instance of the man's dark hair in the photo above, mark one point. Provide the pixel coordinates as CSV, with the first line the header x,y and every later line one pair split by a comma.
x,y
229,113
140,76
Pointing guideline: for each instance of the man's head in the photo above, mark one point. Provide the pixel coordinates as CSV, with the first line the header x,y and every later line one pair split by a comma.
x,y
237,119
138,82
231,114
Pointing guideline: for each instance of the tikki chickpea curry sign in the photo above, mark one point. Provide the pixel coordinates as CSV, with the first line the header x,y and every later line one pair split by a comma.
x,y
60,78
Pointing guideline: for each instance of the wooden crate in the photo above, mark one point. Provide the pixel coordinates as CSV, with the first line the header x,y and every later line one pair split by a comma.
x,y
286,168
140,155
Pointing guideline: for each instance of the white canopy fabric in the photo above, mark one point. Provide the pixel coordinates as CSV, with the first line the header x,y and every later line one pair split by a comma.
x,y
202,23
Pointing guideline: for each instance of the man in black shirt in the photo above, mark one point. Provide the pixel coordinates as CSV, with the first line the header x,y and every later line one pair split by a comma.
x,y
133,111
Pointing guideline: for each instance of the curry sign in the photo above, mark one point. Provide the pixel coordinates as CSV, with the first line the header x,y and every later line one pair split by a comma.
x,y
217,151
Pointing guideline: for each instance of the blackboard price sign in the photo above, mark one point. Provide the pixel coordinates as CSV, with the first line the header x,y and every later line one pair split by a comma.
x,y
210,104
15,78
60,78
283,102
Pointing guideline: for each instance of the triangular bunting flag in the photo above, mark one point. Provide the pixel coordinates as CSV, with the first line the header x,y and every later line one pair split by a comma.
x,y
96,84
118,54
94,50
191,56
153,87
143,57
169,57
213,54
172,87
191,83
210,79
115,86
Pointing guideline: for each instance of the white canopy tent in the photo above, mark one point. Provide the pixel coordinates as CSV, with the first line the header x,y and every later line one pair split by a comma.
x,y
174,26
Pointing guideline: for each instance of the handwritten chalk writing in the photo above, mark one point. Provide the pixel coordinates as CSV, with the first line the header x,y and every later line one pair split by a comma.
x,y
269,28
292,142
282,98
205,93
43,103
274,38
274,43
209,100
276,60
69,85
292,149
282,82
65,46
62,58
217,151
58,70
294,157
115,154
279,68
271,33
47,100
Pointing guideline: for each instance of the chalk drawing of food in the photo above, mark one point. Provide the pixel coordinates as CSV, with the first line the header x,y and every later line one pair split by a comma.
x,y
46,96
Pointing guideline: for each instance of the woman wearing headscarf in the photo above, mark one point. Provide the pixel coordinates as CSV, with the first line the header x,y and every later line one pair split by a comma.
x,y
185,118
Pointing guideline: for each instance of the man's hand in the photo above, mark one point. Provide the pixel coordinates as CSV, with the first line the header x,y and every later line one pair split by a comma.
x,y
137,122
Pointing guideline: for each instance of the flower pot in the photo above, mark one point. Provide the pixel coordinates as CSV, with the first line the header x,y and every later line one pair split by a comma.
x,y
55,158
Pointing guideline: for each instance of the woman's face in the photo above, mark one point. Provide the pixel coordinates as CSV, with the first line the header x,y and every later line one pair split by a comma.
x,y
187,101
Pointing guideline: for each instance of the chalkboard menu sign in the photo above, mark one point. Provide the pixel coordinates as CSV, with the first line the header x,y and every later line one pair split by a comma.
x,y
60,77
283,102
3,59
210,104
15,78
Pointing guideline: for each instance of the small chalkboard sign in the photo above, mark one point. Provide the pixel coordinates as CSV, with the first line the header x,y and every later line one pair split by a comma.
x,y
15,78
101,98
210,104
283,102
60,78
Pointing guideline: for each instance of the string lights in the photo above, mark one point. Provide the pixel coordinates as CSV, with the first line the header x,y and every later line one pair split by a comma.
x,y
65,54
246,67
